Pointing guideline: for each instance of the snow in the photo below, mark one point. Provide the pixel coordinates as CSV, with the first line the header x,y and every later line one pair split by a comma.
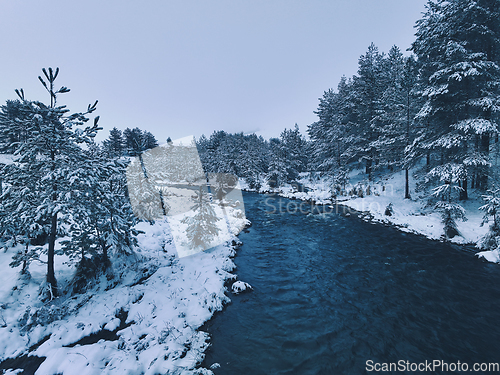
x,y
6,159
491,255
151,308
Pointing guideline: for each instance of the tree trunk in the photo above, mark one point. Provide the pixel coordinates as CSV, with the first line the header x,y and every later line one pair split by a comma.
x,y
25,260
463,192
51,278
105,252
369,168
407,179
407,185
485,150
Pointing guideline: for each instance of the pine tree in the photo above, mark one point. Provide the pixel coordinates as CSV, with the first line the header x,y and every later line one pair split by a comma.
x,y
369,85
399,107
277,172
39,184
102,218
449,175
244,155
12,125
149,141
133,139
115,144
458,51
411,105
252,160
293,147
491,208
331,136
202,227
391,139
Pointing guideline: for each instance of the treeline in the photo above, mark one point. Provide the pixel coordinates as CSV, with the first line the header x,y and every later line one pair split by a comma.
x,y
370,118
277,161
130,142
441,103
439,106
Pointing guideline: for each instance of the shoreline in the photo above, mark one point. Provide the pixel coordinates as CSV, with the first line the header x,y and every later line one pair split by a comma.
x,y
155,305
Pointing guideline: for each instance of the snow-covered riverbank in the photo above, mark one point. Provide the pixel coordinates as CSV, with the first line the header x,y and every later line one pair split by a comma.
x,y
408,215
141,318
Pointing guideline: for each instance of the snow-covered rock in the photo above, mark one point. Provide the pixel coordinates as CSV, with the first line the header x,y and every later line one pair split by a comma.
x,y
240,286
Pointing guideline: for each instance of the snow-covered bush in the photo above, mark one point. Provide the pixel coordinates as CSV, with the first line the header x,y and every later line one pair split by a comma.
x,y
389,211
491,241
450,212
449,174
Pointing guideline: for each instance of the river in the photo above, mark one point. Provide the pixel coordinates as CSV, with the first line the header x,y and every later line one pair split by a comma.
x,y
332,292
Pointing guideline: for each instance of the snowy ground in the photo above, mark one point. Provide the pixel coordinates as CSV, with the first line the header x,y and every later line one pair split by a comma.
x,y
409,215
142,318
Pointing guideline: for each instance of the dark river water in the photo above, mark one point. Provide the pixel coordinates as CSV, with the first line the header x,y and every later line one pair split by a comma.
x,y
333,292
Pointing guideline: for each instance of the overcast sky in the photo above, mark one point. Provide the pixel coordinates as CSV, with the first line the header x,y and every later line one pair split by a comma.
x,y
186,67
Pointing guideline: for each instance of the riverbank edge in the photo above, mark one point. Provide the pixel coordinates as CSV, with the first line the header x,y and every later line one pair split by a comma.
x,y
220,273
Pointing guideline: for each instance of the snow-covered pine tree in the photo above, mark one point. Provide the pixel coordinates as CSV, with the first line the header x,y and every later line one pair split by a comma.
x,y
448,192
40,182
13,229
236,149
458,50
369,85
115,145
399,108
134,142
219,153
145,199
12,125
491,208
325,134
149,141
331,136
202,227
252,160
391,141
12,132
18,222
245,155
277,171
411,106
293,147
102,218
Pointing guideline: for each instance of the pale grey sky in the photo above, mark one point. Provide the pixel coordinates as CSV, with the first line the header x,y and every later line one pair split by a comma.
x,y
185,67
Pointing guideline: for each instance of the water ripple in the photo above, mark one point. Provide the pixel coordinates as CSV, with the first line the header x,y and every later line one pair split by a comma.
x,y
331,294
